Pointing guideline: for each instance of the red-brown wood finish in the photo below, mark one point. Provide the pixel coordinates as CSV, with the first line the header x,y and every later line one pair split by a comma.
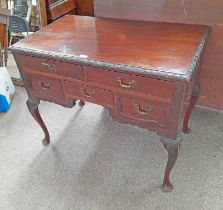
x,y
51,10
2,38
186,11
55,67
88,93
145,76
58,8
130,82
4,23
42,13
147,113
85,7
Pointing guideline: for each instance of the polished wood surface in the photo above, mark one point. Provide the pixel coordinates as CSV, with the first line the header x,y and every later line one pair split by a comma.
x,y
85,7
187,11
2,34
51,10
74,59
44,65
139,84
58,8
161,46
42,13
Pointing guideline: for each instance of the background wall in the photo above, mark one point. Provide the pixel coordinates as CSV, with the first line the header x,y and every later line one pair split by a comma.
x,y
209,12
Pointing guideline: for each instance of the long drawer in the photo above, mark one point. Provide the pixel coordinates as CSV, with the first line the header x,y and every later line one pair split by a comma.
x,y
89,93
29,63
145,85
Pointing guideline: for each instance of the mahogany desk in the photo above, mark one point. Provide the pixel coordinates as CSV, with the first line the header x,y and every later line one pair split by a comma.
x,y
145,72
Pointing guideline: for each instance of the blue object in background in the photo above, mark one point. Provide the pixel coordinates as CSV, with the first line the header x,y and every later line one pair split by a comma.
x,y
7,90
4,105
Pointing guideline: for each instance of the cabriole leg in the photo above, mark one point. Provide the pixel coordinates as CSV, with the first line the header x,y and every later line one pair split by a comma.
x,y
193,100
81,103
172,147
32,105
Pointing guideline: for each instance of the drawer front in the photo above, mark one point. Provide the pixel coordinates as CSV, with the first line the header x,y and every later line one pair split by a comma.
x,y
145,85
89,93
144,112
46,88
29,63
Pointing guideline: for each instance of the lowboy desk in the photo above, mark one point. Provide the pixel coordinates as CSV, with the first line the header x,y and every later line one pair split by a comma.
x,y
144,72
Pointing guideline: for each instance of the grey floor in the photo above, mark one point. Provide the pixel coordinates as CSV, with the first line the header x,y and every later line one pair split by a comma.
x,y
95,163
11,66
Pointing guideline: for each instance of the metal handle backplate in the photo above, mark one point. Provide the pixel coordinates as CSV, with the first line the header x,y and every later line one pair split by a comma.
x,y
143,112
45,86
130,83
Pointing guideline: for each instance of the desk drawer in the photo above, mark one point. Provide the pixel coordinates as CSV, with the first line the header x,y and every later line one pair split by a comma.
x,y
29,63
89,93
144,112
45,87
145,85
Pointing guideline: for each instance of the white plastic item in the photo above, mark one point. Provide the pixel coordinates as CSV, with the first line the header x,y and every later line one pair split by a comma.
x,y
7,90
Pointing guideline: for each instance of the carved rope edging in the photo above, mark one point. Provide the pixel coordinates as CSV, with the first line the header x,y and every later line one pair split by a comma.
x,y
157,73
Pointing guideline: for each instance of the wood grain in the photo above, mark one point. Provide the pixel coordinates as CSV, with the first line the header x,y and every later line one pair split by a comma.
x,y
111,54
57,54
181,11
2,34
162,47
58,8
85,7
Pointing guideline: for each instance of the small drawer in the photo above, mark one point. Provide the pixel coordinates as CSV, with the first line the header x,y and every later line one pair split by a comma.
x,y
144,112
29,63
89,93
124,81
46,88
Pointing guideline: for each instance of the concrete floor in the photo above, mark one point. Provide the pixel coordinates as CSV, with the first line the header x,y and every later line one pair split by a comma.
x,y
12,67
95,163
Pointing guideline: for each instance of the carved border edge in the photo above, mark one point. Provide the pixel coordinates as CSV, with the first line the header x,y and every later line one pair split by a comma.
x,y
156,73
197,56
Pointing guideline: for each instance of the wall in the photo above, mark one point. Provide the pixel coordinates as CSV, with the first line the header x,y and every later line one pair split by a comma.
x,y
209,12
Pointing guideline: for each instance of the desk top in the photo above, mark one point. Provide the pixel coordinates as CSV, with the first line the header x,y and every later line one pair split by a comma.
x,y
165,50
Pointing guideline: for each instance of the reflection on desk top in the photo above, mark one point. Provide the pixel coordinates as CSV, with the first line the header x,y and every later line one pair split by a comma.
x,y
166,50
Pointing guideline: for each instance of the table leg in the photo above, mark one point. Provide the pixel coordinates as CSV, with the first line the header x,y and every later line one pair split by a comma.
x,y
172,147
32,105
81,103
193,100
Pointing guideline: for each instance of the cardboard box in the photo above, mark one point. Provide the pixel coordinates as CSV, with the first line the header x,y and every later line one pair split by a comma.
x,y
7,90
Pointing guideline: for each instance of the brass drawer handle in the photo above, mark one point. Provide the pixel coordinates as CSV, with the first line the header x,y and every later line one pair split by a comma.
x,y
84,93
143,112
130,84
49,65
45,86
